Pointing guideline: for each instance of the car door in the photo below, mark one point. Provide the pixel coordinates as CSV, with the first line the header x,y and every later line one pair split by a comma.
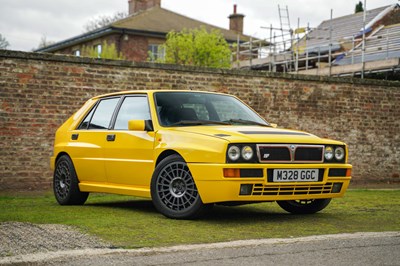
x,y
129,154
88,141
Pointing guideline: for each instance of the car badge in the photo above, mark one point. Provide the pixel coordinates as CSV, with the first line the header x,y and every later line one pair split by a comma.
x,y
266,156
292,147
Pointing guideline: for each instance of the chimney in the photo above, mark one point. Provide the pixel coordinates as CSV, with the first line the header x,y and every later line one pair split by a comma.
x,y
140,5
236,21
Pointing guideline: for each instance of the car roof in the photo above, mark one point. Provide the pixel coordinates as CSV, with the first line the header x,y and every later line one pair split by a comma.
x,y
149,92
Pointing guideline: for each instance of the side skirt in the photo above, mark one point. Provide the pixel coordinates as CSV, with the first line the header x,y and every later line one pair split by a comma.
x,y
115,189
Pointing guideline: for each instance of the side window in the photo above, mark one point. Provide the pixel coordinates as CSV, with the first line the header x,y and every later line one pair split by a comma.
x,y
85,123
132,108
102,115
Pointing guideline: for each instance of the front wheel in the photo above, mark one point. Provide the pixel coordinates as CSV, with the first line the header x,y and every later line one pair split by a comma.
x,y
65,183
304,206
173,190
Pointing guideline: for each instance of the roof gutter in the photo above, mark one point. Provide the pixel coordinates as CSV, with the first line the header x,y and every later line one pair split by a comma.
x,y
75,40
96,34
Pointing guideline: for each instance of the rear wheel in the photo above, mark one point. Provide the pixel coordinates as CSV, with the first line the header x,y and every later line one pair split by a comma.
x,y
173,190
304,206
65,183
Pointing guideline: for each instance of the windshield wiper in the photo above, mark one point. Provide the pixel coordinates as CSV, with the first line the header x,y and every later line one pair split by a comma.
x,y
246,122
199,122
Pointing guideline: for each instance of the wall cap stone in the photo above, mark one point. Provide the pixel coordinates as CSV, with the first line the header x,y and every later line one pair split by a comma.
x,y
169,67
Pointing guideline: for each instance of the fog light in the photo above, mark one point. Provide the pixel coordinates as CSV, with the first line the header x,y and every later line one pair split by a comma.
x,y
246,189
329,153
247,153
336,187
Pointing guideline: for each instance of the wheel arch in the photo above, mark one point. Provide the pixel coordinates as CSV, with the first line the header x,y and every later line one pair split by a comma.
x,y
61,154
165,154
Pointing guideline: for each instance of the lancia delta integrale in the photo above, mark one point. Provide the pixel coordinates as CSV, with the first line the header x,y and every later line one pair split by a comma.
x,y
188,150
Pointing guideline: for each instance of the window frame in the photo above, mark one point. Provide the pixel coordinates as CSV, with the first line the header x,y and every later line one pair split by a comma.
x,y
213,112
155,55
94,109
99,49
119,105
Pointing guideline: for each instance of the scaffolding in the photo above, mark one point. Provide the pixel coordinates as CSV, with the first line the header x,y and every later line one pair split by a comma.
x,y
331,49
285,28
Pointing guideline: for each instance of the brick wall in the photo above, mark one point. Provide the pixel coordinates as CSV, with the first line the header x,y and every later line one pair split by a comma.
x,y
39,91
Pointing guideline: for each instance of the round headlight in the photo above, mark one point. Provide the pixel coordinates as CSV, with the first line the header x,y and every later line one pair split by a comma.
x,y
339,153
328,153
247,153
233,153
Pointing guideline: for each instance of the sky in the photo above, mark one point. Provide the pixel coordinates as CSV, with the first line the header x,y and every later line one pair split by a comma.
x,y
25,22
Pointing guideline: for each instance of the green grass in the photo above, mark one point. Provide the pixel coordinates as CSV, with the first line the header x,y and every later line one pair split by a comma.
x,y
131,222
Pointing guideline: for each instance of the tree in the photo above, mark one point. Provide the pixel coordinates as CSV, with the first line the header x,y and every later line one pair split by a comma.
x,y
197,47
359,7
3,42
107,51
103,20
44,42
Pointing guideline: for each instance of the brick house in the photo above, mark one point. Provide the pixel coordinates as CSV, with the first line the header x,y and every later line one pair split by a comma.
x,y
143,31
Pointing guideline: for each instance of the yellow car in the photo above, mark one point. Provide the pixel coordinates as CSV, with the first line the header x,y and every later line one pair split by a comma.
x,y
188,150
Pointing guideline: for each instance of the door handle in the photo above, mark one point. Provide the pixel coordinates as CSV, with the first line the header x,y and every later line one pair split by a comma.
x,y
111,137
74,136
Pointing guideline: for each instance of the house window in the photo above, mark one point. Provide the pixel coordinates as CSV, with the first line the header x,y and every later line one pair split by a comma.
x,y
77,52
98,49
155,51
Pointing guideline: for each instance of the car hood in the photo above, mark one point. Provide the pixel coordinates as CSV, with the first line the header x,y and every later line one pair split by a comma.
x,y
255,134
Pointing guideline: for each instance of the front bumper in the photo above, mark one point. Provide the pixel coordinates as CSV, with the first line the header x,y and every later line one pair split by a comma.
x,y
214,187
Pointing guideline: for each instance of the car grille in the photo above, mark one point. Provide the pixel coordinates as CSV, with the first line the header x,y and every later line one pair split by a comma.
x,y
288,153
276,190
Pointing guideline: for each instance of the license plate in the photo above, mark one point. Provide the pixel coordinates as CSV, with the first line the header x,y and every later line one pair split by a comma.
x,y
295,175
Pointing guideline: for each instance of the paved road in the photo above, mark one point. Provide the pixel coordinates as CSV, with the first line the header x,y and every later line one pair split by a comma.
x,y
342,249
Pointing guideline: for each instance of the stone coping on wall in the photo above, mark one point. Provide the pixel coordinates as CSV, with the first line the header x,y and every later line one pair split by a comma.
x,y
131,64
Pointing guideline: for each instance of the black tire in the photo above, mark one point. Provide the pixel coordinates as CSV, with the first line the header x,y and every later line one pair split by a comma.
x,y
304,206
65,183
174,192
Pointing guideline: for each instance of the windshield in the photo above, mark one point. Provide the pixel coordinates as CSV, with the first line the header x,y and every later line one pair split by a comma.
x,y
196,108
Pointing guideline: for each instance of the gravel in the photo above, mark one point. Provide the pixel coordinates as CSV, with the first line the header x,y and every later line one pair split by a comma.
x,y
53,244
25,238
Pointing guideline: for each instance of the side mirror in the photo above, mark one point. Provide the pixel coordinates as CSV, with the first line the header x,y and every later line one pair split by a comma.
x,y
140,125
136,125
